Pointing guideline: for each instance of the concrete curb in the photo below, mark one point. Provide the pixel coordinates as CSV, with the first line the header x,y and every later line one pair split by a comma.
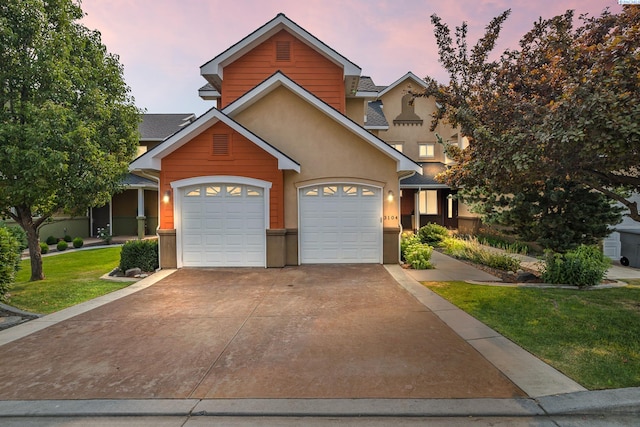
x,y
619,401
608,402
97,408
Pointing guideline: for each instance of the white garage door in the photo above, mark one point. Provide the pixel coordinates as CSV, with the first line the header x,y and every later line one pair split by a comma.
x,y
223,225
340,223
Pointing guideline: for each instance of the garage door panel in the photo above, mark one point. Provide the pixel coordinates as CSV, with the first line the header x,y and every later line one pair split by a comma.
x,y
340,224
223,225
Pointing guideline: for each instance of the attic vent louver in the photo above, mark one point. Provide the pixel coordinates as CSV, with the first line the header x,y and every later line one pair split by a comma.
x,y
220,145
283,51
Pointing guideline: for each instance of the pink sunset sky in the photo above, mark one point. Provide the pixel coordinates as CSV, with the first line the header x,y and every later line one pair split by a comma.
x,y
163,43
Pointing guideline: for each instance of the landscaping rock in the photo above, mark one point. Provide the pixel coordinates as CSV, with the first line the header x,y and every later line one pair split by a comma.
x,y
132,272
116,272
525,276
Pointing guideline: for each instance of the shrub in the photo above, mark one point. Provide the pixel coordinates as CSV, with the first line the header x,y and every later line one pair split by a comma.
x,y
19,234
142,254
44,248
9,260
67,238
472,251
62,245
583,266
51,240
406,240
432,234
415,253
515,247
418,256
78,242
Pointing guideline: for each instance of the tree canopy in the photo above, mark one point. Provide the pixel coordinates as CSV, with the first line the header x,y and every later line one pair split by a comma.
x,y
560,114
69,124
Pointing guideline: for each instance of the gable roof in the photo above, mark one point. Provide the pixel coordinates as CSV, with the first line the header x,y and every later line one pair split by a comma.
x,y
410,76
151,160
212,70
156,127
278,80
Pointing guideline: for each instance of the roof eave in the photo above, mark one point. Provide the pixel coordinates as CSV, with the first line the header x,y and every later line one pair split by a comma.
x,y
209,95
152,160
408,75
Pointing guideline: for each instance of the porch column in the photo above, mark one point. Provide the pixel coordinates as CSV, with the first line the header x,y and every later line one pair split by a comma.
x,y
141,218
416,210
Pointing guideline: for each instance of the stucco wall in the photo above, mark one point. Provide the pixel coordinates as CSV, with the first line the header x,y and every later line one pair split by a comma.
x,y
410,135
326,150
356,110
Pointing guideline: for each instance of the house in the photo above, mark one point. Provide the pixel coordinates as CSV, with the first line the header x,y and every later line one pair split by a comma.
x,y
404,122
623,240
283,171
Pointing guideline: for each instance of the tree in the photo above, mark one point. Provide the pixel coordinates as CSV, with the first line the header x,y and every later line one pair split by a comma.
x,y
69,125
560,112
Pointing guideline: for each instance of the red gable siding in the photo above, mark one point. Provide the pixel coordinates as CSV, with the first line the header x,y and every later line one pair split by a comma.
x,y
246,159
306,67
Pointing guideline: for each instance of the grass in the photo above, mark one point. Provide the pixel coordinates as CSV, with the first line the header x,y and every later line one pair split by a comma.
x,y
592,336
71,278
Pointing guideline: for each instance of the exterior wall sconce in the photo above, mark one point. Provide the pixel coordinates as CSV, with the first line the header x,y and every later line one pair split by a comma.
x,y
167,196
390,196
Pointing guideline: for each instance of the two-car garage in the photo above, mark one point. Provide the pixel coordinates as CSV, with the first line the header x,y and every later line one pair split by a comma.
x,y
224,224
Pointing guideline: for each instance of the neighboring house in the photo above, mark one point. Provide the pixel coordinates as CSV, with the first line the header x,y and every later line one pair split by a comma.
x,y
394,115
624,240
283,171
134,211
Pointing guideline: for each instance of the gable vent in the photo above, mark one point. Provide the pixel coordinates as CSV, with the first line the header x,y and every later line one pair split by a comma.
x,y
283,51
220,145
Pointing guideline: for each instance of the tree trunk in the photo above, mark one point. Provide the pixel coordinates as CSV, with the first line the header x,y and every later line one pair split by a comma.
x,y
34,253
24,218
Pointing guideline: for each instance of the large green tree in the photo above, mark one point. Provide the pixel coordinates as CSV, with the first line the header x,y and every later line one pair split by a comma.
x,y
68,123
562,111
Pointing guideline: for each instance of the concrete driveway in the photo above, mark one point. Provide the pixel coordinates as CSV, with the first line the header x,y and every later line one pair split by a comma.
x,y
335,331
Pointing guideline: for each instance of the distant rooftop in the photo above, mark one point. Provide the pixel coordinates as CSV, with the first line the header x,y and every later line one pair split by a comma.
x,y
157,127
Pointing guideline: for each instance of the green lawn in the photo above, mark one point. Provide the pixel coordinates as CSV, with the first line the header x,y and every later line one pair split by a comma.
x,y
71,278
592,336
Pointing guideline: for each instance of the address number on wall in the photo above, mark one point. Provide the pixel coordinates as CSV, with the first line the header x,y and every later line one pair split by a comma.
x,y
391,218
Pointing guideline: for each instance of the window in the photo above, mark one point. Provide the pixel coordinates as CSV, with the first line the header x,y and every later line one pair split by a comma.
x,y
234,191
213,191
254,192
329,190
429,202
311,191
397,145
193,193
350,190
427,151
